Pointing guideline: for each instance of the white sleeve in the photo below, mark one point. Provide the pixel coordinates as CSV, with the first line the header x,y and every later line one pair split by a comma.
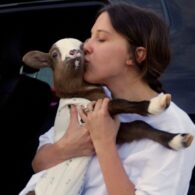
x,y
47,138
30,186
157,170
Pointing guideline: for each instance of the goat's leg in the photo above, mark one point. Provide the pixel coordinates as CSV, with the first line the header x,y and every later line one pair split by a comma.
x,y
154,106
138,130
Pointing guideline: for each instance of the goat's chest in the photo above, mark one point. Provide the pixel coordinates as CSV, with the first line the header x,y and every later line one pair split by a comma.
x,y
62,118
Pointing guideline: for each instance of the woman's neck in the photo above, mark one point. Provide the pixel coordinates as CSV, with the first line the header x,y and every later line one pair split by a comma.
x,y
136,90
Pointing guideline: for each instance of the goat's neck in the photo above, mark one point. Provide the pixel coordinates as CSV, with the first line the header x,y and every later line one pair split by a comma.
x,y
86,90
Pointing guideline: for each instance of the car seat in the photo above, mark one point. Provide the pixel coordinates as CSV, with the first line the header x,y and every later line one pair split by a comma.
x,y
25,113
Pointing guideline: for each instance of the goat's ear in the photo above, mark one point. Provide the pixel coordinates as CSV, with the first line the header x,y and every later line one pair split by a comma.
x,y
37,59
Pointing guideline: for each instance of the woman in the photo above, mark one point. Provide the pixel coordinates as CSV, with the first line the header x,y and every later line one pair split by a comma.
x,y
127,52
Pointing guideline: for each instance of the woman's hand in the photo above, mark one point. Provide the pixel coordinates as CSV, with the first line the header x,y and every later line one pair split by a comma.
x,y
103,130
102,127
77,140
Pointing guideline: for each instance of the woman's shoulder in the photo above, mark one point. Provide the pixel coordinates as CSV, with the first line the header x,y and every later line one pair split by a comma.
x,y
177,113
173,119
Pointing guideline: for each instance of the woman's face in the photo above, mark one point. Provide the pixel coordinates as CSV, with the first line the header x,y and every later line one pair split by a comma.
x,y
106,53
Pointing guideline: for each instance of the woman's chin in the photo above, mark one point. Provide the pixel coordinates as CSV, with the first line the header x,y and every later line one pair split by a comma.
x,y
91,80
88,78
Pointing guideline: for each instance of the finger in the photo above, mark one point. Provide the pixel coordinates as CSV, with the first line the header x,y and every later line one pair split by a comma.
x,y
98,105
83,115
105,103
73,115
90,106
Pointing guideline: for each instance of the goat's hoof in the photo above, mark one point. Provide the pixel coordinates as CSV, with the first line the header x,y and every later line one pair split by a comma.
x,y
187,140
181,141
159,104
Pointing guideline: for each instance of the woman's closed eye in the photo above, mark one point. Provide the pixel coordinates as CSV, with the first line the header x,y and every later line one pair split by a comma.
x,y
101,37
101,40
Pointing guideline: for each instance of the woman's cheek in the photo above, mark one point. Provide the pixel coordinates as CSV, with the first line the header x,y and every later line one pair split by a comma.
x,y
88,76
92,77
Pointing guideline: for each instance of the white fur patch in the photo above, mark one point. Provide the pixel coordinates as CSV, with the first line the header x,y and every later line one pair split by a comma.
x,y
67,44
177,142
77,64
157,104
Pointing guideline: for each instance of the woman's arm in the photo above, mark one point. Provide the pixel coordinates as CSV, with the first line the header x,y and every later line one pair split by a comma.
x,y
103,130
115,177
76,142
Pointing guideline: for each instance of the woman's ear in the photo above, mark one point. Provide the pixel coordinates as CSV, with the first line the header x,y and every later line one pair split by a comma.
x,y
140,54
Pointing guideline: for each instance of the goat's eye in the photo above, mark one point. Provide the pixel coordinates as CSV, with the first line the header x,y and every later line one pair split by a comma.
x,y
54,54
72,52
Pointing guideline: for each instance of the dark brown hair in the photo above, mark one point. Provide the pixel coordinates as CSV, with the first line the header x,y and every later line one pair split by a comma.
x,y
142,27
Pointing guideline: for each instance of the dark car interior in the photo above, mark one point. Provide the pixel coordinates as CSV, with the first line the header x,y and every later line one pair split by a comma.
x,y
27,104
27,101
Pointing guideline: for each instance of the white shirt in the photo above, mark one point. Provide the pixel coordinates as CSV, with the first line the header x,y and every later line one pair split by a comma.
x,y
154,169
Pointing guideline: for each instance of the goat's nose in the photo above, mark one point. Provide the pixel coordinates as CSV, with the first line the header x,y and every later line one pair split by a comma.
x,y
72,52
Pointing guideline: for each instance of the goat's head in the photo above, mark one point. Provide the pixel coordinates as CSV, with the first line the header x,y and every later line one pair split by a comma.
x,y
66,59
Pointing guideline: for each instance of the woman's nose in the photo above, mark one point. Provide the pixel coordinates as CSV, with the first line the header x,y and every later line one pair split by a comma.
x,y
87,47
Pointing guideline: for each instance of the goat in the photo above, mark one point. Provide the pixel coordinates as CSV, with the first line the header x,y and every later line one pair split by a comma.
x,y
66,59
